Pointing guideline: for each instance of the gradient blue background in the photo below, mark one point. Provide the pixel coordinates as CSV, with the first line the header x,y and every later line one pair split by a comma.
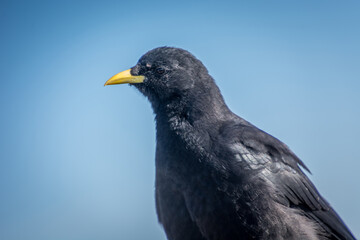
x,y
77,159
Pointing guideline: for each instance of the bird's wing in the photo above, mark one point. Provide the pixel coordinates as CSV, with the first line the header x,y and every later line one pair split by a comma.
x,y
258,151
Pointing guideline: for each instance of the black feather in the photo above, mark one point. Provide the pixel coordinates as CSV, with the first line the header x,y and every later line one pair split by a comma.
x,y
217,176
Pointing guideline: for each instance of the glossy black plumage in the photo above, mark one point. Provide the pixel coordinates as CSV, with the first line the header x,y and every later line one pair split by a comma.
x,y
217,176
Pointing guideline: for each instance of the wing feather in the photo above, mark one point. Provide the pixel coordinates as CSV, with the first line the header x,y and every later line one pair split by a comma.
x,y
263,153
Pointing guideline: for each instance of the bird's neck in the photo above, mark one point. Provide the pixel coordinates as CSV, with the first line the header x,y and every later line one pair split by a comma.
x,y
201,110
193,121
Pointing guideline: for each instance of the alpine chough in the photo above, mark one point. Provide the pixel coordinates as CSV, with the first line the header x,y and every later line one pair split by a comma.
x,y
218,177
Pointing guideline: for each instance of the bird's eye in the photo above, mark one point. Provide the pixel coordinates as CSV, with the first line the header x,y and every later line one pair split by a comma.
x,y
160,70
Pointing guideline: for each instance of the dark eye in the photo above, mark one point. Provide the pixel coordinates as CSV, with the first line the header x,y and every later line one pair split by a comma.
x,y
160,70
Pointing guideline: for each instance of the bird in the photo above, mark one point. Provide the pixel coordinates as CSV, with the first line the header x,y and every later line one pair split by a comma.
x,y
219,177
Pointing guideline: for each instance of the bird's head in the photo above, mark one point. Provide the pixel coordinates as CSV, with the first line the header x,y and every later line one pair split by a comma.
x,y
172,77
164,73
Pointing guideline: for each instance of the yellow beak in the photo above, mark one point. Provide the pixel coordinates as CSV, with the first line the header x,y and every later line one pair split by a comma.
x,y
124,77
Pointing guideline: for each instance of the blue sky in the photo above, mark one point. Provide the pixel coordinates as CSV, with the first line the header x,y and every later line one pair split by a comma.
x,y
77,159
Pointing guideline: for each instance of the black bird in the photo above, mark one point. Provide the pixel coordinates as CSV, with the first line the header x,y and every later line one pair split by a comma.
x,y
218,177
